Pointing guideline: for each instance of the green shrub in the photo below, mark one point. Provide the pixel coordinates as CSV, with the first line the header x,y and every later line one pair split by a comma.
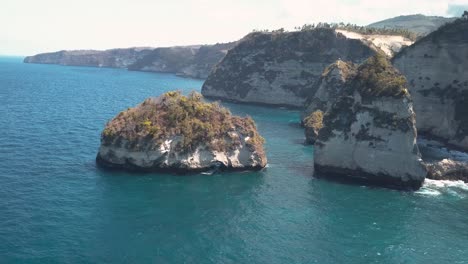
x,y
314,120
377,77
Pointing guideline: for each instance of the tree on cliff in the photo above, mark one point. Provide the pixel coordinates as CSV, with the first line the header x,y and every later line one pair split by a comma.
x,y
465,15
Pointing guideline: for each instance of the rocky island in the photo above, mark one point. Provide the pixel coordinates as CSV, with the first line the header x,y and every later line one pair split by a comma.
x,y
182,134
369,133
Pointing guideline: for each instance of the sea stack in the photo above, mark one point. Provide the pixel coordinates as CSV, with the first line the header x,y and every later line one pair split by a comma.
x,y
180,134
369,133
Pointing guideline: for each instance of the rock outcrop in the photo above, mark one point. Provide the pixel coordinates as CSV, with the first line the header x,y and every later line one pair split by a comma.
x,y
180,134
280,68
436,68
369,133
189,61
448,169
330,85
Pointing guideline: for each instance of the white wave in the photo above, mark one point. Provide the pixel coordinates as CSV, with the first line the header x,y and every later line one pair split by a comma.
x,y
428,192
437,187
445,184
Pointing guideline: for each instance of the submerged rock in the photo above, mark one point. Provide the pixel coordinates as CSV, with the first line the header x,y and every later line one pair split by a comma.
x,y
369,133
448,169
436,68
180,134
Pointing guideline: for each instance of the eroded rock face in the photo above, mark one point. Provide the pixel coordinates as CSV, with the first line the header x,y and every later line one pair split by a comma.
x,y
280,68
436,68
330,85
180,134
369,133
448,169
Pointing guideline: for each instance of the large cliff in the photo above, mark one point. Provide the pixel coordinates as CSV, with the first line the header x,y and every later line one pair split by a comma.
x,y
369,133
180,134
278,68
437,71
190,61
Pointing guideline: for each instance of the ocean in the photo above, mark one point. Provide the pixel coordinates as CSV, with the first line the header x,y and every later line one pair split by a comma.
x,y
57,206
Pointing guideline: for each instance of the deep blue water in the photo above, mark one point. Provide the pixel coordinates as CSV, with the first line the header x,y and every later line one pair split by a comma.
x,y
56,206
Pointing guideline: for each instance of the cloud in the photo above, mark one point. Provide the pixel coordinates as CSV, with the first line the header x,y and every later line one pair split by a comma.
x,y
49,25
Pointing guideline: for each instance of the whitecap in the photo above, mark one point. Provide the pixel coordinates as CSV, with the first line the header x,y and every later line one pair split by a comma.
x,y
428,192
445,184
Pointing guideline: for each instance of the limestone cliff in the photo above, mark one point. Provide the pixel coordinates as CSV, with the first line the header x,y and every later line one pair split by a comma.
x,y
280,68
369,133
180,134
436,68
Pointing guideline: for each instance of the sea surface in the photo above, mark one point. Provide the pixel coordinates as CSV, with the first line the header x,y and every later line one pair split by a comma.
x,y
56,206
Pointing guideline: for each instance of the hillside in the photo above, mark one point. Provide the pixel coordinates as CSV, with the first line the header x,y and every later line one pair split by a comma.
x,y
419,24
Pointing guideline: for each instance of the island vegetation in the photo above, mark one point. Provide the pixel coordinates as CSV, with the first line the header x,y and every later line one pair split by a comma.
x,y
188,117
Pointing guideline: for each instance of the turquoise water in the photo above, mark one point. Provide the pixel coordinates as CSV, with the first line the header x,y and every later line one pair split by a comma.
x,y
56,206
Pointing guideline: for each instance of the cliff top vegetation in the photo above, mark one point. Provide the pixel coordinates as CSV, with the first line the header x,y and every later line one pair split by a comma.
x,y
377,77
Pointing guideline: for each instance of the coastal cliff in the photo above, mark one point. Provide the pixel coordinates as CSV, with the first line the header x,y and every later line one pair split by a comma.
x,y
188,61
280,68
436,68
114,58
180,134
191,61
369,133
283,68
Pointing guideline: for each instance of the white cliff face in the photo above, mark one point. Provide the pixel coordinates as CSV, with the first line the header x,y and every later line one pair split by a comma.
x,y
375,140
280,68
436,68
168,156
390,45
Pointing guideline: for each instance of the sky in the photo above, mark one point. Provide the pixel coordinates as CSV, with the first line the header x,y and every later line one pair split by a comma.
x,y
28,27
